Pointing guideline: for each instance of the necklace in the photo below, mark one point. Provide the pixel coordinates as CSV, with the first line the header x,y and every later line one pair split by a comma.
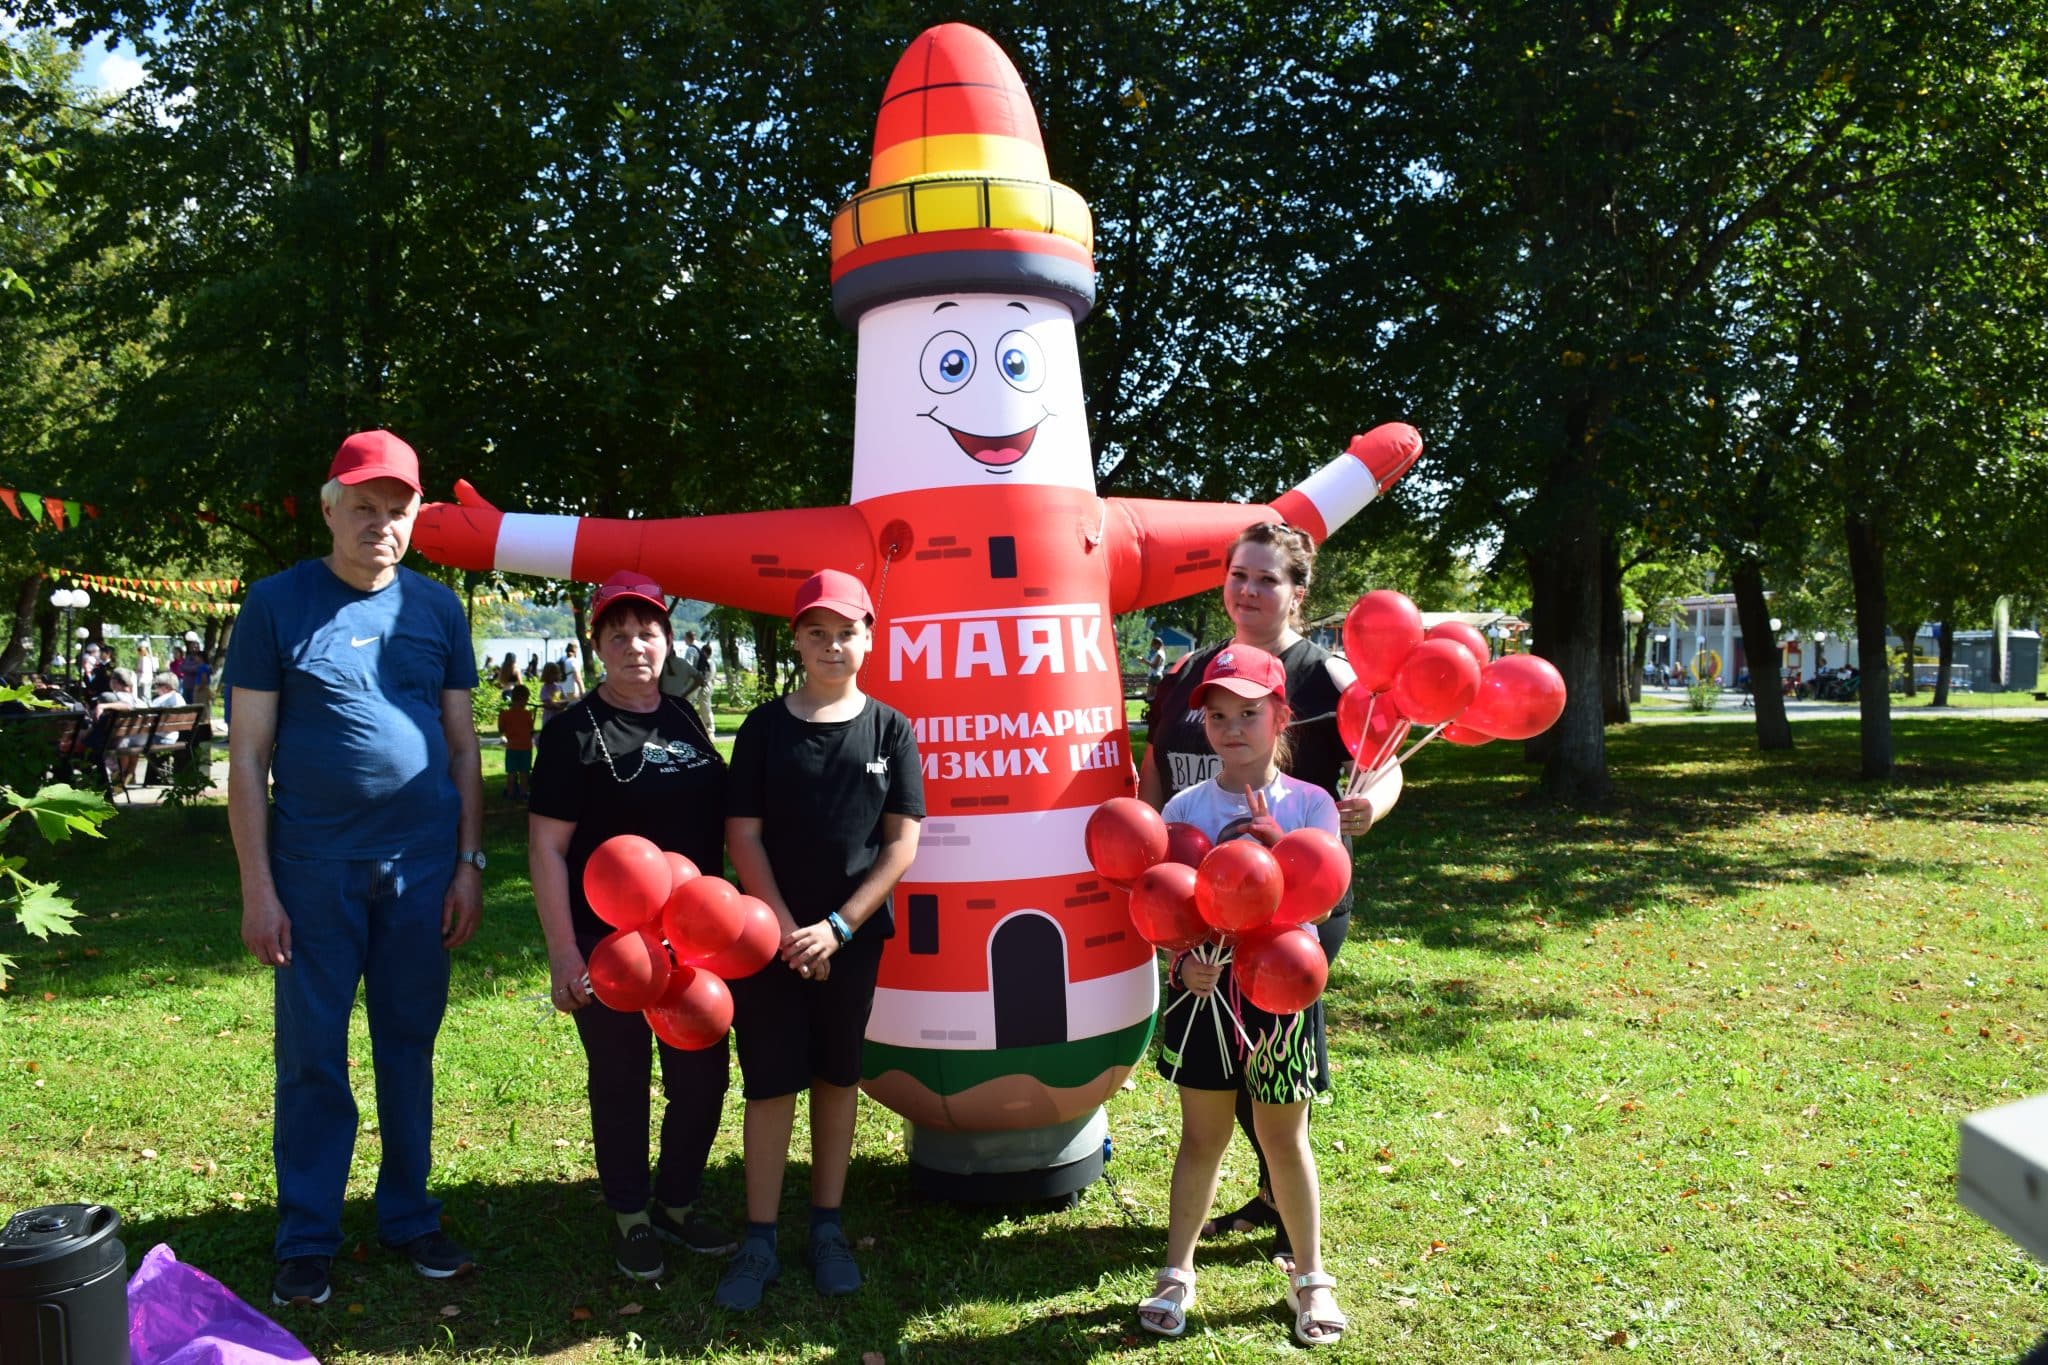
x,y
597,728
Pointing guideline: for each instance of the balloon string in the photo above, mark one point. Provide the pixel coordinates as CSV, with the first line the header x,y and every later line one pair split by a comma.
x,y
1418,744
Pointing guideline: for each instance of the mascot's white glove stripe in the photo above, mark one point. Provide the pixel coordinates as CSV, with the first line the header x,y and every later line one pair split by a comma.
x,y
966,1020
1339,489
1024,845
529,543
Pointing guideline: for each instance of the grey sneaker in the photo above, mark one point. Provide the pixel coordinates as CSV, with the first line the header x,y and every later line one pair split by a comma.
x,y
638,1252
302,1280
748,1277
693,1231
832,1267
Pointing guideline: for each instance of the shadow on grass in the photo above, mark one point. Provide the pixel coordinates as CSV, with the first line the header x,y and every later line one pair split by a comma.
x,y
546,1283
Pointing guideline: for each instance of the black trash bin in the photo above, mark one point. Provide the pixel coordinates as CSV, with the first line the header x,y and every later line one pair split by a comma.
x,y
63,1287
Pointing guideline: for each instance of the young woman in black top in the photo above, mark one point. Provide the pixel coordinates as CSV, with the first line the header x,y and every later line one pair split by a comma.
x,y
628,760
1271,566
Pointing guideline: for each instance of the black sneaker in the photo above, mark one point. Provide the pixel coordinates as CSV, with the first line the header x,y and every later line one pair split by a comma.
x,y
638,1252
301,1281
693,1232
435,1256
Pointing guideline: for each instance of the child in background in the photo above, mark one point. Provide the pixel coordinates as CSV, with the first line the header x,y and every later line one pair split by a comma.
x,y
821,822
1243,697
554,699
515,723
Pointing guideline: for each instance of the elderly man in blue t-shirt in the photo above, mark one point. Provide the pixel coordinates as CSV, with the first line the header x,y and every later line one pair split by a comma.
x,y
351,680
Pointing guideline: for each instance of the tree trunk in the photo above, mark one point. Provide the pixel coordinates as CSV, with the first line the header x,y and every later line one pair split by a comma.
x,y
21,639
767,657
1569,635
1760,642
1909,685
1639,659
728,648
46,637
1613,637
579,605
1873,693
1946,651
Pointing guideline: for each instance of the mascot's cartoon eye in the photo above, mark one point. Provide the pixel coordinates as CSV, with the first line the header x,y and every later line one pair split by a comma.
x,y
1020,360
948,362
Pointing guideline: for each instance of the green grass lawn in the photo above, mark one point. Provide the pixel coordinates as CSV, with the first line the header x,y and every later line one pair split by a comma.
x,y
1679,1077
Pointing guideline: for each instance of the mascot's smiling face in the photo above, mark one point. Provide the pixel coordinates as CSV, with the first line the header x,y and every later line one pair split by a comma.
x,y
968,390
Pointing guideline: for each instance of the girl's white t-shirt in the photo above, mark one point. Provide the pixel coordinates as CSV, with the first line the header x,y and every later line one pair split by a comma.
x,y
1223,814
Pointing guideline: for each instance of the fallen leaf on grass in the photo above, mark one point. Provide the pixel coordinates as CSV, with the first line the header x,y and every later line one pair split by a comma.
x,y
361,1253
1456,1162
149,1154
1620,1338
451,1310
1810,1111
627,1310
865,1243
1385,1154
579,1314
1434,1249
873,1358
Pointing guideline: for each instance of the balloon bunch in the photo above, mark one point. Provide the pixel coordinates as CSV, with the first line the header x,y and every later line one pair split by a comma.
x,y
1440,678
677,937
1245,901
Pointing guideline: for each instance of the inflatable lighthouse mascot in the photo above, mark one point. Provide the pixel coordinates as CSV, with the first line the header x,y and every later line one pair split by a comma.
x,y
1015,996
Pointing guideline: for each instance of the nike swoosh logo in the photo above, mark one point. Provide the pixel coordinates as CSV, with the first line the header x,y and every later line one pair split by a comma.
x,y
366,640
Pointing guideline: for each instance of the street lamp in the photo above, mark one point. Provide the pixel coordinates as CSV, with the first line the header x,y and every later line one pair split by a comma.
x,y
69,600
1820,652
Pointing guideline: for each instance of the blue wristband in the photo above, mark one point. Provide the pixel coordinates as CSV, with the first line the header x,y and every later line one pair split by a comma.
x,y
839,929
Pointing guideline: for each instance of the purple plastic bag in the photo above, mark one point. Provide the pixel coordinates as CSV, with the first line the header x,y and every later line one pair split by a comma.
x,y
180,1315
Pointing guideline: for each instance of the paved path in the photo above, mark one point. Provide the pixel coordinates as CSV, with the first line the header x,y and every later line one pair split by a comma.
x,y
1730,708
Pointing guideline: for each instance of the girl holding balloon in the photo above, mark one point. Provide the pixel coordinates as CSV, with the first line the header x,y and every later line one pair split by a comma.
x,y
1279,1060
628,760
1270,569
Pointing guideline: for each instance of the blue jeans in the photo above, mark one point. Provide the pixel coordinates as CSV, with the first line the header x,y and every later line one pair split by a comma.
x,y
378,923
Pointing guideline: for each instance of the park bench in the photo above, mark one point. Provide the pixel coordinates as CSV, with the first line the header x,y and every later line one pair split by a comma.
x,y
155,736
42,745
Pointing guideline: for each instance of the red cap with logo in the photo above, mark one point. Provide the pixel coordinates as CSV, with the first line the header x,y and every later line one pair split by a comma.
x,y
627,584
376,455
836,591
1246,671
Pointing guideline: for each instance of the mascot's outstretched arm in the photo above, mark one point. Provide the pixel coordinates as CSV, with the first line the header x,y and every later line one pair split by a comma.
x,y
750,560
1162,550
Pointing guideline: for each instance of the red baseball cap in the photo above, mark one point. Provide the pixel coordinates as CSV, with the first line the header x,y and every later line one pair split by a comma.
x,y
624,585
836,591
376,455
1246,671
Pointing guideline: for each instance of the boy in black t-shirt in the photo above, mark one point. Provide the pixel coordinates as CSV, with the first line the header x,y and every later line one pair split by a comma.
x,y
822,819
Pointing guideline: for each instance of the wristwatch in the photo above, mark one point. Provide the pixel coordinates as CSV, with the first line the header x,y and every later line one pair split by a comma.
x,y
475,858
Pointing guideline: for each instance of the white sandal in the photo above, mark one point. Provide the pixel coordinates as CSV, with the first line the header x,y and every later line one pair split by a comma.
x,y
1175,1311
1332,1325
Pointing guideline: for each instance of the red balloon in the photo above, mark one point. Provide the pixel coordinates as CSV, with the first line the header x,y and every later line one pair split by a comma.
x,y
1458,732
1238,886
756,946
1435,682
1281,971
703,917
1461,633
680,869
627,880
628,969
1163,907
1124,837
1367,739
1379,630
1316,868
694,1012
1520,696
1186,844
